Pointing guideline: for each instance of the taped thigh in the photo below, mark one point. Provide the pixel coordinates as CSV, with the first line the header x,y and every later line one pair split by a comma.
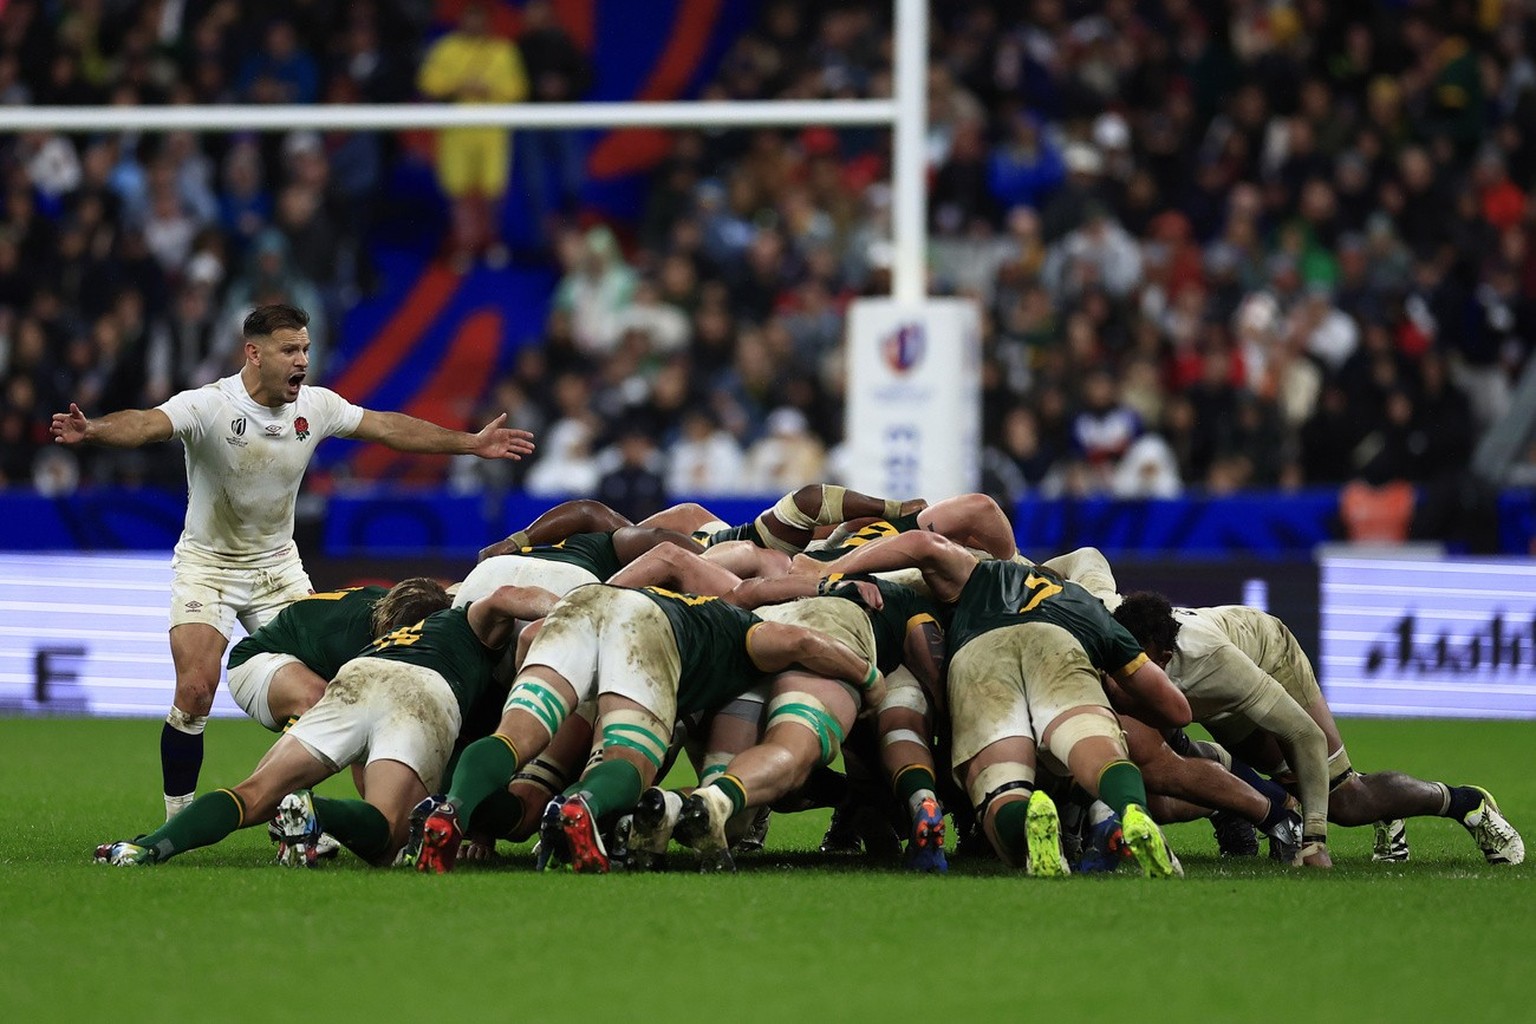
x,y
996,779
637,730
902,690
535,697
1071,729
800,708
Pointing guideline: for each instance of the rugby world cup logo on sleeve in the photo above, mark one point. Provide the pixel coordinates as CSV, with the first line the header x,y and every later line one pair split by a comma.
x,y
301,428
904,347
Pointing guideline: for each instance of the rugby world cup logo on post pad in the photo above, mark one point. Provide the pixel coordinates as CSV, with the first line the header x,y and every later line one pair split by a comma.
x,y
301,428
904,347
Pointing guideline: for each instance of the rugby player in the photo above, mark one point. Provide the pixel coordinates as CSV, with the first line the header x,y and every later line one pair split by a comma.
x,y
398,707
1251,685
248,440
1026,649
280,671
647,656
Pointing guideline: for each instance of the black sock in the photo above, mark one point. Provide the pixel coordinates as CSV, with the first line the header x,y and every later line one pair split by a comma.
x,y
181,759
1271,791
1463,800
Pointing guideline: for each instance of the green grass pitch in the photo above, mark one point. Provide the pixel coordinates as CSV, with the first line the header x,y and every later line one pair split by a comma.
x,y
219,935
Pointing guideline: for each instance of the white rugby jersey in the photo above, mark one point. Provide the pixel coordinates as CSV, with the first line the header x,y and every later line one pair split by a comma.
x,y
244,465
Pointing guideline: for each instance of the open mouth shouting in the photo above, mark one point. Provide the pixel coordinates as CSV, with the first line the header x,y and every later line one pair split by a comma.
x,y
294,380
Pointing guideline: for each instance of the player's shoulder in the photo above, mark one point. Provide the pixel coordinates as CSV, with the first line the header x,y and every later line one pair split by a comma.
x,y
1200,630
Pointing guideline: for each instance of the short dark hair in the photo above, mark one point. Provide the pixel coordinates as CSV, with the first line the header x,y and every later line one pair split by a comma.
x,y
408,602
1149,618
263,320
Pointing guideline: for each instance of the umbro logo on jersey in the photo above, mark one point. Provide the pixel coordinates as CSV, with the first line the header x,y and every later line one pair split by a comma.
x,y
273,429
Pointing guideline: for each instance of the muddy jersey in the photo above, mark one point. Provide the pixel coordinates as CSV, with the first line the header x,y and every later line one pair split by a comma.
x,y
1002,594
590,551
324,631
902,610
711,639
244,464
877,530
444,643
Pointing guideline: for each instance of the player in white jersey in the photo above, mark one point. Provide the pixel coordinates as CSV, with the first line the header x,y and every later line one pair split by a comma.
x,y
249,438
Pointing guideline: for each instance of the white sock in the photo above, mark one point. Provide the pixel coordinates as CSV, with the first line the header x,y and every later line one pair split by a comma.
x,y
174,805
916,800
1098,811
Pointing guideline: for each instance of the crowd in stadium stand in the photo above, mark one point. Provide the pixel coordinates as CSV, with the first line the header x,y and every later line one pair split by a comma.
x,y
1217,245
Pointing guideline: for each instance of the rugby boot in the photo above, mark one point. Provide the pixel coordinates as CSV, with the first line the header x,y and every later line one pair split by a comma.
x,y
551,848
298,831
701,825
651,831
1389,841
925,847
1148,845
441,837
123,854
1042,826
755,836
1492,832
1285,839
582,838
1105,849
1235,837
841,837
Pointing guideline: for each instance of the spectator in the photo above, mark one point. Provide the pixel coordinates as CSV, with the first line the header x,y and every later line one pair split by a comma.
x,y
787,457
281,72
633,488
469,65
597,286
558,72
705,461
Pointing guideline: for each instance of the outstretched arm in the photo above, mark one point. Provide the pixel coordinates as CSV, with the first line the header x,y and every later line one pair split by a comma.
x,y
129,428
408,434
495,615
584,515
667,565
946,566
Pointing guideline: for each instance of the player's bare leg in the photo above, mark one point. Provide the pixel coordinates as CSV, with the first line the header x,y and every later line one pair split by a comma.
x,y
1203,783
1089,741
540,701
1022,829
688,517
906,754
808,717
635,745
213,816
197,652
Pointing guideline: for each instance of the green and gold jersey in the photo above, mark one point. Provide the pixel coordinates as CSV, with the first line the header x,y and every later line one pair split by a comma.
x,y
324,631
1002,594
712,644
444,643
903,609
590,551
877,530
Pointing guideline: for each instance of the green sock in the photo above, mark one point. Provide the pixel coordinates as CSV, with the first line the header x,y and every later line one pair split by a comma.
x,y
498,816
912,780
611,786
1120,785
487,766
357,825
205,821
1011,832
731,786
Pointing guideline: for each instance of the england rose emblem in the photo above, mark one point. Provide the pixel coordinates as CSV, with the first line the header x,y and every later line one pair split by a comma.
x,y
301,428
